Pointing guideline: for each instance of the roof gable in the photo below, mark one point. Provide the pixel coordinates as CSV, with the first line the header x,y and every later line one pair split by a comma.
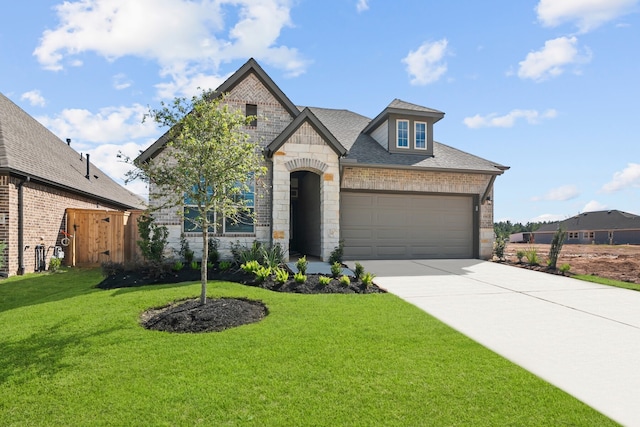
x,y
29,149
251,66
306,116
403,108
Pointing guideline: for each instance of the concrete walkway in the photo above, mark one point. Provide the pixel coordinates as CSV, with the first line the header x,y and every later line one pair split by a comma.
x,y
583,338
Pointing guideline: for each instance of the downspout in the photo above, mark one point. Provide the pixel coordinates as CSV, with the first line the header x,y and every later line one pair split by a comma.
x,y
21,247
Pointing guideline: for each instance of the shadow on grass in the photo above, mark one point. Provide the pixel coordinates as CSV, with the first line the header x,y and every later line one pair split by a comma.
x,y
39,288
43,353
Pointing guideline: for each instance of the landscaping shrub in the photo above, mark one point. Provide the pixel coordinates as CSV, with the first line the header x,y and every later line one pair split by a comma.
x,y
194,265
359,271
185,251
213,255
177,266
224,265
556,246
532,256
262,273
250,266
153,239
367,279
273,256
520,254
344,280
336,269
499,246
337,253
282,275
324,280
302,265
55,264
564,268
299,277
241,254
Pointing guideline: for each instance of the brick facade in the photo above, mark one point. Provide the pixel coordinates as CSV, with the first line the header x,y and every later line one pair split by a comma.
x,y
273,118
409,180
44,216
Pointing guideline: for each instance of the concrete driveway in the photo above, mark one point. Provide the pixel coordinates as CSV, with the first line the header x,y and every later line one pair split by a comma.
x,y
583,338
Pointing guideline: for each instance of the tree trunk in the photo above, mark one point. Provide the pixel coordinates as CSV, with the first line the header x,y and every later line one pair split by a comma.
x,y
203,264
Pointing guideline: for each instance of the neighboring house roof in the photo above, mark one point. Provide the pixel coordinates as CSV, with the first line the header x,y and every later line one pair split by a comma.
x,y
29,149
592,221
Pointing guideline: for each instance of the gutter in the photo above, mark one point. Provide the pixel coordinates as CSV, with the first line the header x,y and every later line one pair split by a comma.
x,y
21,247
348,163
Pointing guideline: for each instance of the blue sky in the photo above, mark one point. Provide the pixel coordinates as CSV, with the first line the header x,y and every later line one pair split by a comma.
x,y
550,88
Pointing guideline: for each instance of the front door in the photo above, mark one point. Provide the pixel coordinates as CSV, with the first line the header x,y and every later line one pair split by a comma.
x,y
305,214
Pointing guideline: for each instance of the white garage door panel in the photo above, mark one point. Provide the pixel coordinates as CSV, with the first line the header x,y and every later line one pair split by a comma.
x,y
378,226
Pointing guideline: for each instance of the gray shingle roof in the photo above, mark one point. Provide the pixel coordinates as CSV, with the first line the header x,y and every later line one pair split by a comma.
x,y
348,127
592,221
27,148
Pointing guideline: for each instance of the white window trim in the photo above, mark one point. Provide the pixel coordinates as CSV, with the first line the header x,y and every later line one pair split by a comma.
x,y
415,135
398,134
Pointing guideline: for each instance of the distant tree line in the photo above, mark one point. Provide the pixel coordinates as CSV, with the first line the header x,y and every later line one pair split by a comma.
x,y
505,228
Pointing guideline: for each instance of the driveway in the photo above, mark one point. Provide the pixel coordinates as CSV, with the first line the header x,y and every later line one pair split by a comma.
x,y
583,338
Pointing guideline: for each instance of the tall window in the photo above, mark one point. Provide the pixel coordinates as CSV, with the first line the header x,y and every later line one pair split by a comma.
x,y
252,110
421,135
402,131
243,220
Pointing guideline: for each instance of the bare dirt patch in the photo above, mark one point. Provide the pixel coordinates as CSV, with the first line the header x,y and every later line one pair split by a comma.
x,y
618,262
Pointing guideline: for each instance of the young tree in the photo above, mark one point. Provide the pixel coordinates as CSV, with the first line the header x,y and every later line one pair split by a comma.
x,y
208,161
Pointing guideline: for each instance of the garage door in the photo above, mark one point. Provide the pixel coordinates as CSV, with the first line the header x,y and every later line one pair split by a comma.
x,y
405,226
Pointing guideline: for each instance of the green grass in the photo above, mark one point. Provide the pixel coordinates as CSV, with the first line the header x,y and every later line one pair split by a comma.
x,y
71,354
608,282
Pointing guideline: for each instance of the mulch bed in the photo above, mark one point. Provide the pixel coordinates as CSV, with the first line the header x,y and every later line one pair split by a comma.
x,y
221,313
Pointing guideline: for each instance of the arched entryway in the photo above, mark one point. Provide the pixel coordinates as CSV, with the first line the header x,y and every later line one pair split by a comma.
x,y
305,214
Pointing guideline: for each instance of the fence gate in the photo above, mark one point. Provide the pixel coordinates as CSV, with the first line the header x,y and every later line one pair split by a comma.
x,y
99,236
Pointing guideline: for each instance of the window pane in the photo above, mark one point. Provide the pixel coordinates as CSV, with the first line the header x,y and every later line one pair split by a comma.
x,y
252,110
190,215
403,133
241,223
421,135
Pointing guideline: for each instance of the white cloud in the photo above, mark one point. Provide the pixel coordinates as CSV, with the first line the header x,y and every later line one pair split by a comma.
x,y
425,65
586,15
34,97
552,59
105,158
548,218
186,36
509,119
628,177
120,81
109,125
362,5
560,194
594,206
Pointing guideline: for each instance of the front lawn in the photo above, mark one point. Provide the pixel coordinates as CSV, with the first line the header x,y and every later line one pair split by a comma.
x,y
71,354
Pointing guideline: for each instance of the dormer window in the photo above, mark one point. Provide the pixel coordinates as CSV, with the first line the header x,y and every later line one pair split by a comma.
x,y
252,110
402,131
420,133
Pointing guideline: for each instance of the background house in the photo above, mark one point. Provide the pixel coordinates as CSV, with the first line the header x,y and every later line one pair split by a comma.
x,y
383,186
41,177
610,227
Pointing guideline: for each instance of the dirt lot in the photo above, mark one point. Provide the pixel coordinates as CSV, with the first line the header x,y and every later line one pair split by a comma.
x,y
615,262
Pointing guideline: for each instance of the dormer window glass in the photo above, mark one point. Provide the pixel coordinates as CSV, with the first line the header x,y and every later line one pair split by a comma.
x,y
402,133
420,136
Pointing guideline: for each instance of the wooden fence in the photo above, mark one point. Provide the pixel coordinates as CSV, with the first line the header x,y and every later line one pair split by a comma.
x,y
98,236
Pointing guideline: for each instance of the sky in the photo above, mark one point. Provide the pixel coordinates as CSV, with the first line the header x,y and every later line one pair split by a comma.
x,y
550,88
